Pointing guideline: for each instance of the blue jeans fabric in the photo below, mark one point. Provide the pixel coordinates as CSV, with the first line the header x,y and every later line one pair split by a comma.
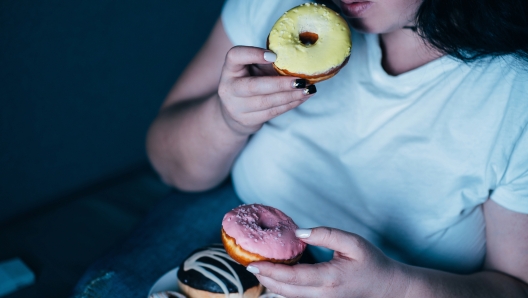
x,y
179,224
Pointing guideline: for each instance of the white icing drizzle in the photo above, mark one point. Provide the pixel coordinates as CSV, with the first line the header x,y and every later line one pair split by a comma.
x,y
168,294
216,254
271,295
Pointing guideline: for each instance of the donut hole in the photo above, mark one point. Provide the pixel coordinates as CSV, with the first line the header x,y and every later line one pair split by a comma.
x,y
308,38
267,224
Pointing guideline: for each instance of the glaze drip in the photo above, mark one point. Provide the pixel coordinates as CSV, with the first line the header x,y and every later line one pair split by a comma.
x,y
220,256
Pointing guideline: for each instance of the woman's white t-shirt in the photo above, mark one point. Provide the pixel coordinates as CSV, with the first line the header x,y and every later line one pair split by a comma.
x,y
405,161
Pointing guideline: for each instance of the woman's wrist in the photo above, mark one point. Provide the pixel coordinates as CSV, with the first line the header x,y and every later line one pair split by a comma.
x,y
400,280
238,129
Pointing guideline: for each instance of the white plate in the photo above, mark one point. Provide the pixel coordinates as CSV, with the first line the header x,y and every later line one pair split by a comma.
x,y
166,283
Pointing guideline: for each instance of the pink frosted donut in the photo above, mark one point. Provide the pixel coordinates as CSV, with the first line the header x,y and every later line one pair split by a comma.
x,y
256,232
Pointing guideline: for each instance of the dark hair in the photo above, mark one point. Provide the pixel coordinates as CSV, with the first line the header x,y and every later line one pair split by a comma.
x,y
469,30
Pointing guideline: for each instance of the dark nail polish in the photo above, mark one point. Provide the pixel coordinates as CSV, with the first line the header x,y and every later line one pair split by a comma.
x,y
310,90
299,83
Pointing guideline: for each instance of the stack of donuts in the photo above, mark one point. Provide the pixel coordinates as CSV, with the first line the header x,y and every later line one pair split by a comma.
x,y
312,42
250,233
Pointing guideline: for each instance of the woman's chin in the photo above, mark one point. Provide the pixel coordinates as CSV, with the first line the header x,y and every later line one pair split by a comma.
x,y
364,26
361,26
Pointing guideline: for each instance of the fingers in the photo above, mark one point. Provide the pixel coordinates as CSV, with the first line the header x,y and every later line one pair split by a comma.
x,y
259,117
259,109
266,115
238,57
262,70
287,290
300,274
346,244
268,101
250,86
248,101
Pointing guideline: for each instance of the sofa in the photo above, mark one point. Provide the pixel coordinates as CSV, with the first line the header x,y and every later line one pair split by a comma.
x,y
80,83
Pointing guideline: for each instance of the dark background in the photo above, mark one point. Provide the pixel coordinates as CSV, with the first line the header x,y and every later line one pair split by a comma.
x,y
80,83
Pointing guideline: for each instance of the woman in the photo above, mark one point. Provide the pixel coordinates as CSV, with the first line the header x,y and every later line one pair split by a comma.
x,y
417,148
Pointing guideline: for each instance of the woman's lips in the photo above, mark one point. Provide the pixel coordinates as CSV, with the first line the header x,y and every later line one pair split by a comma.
x,y
355,9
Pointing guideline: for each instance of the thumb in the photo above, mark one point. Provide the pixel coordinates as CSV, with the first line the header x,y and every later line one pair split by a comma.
x,y
346,244
239,57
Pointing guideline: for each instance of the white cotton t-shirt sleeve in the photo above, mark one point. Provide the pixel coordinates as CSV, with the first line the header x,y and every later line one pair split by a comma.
x,y
512,191
248,22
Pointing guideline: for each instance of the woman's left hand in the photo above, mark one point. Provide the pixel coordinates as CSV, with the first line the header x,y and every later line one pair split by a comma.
x,y
358,269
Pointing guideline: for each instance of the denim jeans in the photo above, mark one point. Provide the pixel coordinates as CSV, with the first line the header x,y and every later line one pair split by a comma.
x,y
179,224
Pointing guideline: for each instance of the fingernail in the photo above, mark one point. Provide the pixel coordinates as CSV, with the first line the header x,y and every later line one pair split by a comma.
x,y
299,83
253,269
310,90
303,233
270,56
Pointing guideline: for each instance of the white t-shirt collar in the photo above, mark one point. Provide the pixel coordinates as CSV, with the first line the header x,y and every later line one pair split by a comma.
x,y
408,81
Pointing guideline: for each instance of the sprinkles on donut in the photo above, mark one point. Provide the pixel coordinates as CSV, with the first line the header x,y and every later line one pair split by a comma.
x,y
256,232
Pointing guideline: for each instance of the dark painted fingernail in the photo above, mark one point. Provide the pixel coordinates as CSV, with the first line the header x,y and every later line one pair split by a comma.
x,y
299,83
310,90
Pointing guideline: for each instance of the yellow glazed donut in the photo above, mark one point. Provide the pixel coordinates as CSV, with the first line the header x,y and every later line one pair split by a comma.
x,y
311,41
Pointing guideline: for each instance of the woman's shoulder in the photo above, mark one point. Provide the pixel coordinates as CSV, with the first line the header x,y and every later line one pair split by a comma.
x,y
503,72
513,72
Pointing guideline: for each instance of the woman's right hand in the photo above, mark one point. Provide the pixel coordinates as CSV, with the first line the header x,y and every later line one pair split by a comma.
x,y
251,93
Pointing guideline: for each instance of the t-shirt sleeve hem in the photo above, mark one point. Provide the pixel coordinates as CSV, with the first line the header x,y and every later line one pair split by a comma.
x,y
510,201
231,17
227,24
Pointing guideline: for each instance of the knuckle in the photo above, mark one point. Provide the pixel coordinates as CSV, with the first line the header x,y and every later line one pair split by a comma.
x,y
278,289
274,112
328,235
278,84
230,112
223,91
244,121
330,283
231,54
285,98
292,279
357,240
294,96
284,84
235,85
264,102
333,278
252,85
363,247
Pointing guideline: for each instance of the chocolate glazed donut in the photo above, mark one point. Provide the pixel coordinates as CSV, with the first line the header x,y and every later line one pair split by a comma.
x,y
211,272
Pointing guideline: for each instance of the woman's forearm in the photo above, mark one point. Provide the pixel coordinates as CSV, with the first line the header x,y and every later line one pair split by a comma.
x,y
432,283
191,146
